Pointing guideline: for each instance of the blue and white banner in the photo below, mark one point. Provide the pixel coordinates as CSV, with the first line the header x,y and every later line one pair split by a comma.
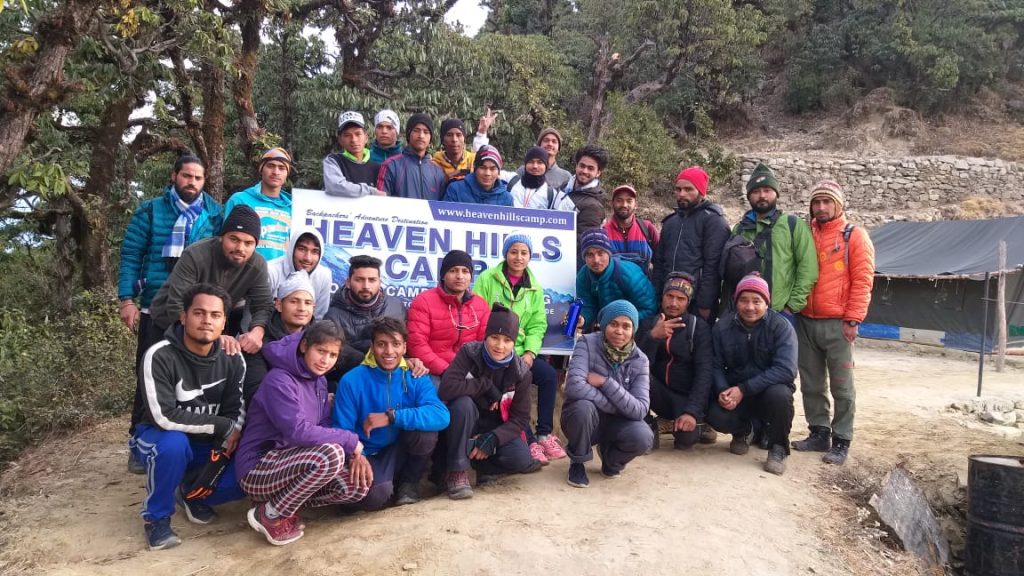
x,y
411,237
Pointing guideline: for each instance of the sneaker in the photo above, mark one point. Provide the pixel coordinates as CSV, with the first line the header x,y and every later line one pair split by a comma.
x,y
159,534
776,462
817,441
195,511
407,493
457,485
578,476
653,423
278,531
537,451
837,453
609,473
708,435
740,444
766,434
134,464
485,480
552,447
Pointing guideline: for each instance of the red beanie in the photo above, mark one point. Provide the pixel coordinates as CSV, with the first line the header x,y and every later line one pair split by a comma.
x,y
697,176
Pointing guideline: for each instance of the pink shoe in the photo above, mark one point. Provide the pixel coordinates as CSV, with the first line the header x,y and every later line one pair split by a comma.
x,y
537,451
552,447
279,531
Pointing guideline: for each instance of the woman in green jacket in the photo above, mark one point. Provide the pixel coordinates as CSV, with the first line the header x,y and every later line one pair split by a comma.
x,y
514,285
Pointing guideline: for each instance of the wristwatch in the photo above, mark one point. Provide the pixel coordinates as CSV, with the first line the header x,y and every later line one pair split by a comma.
x,y
852,323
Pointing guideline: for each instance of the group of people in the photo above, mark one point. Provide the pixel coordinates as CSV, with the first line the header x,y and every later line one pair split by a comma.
x,y
254,380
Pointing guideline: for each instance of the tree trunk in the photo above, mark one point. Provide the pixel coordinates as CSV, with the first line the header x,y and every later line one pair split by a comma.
x,y
214,118
599,89
287,75
249,130
39,84
64,260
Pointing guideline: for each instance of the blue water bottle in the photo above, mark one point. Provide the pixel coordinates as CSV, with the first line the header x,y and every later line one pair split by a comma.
x,y
572,318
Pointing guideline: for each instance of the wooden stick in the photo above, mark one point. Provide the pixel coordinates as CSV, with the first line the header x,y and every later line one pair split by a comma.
x,y
1001,310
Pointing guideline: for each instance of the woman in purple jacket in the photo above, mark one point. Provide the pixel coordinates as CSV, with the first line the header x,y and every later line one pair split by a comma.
x,y
289,454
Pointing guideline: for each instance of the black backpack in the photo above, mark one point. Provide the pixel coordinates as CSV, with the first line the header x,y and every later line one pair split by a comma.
x,y
741,256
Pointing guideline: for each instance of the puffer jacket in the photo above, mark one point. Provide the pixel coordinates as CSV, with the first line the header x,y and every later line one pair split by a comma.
x,y
627,390
621,280
843,289
754,358
439,324
682,361
492,285
470,375
408,176
143,268
692,241
469,191
356,322
794,264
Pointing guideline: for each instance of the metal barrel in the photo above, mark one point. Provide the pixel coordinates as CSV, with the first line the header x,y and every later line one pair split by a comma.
x,y
995,516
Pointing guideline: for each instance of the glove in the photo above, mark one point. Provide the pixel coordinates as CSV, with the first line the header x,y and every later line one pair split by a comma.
x,y
486,443
206,481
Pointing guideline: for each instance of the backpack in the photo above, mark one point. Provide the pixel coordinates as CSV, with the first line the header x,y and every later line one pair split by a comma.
x,y
551,190
741,256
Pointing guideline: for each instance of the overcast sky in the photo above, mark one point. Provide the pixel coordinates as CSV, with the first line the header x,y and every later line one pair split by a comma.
x,y
469,13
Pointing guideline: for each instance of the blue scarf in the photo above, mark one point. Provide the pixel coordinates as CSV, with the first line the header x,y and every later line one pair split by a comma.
x,y
496,364
187,216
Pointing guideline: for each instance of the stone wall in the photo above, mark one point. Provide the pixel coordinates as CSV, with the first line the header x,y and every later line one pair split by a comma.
x,y
883,189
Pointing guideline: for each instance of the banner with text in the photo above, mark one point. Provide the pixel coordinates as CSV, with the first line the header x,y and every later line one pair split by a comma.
x,y
411,237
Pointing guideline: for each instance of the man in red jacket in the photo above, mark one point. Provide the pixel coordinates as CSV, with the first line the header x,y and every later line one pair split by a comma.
x,y
827,326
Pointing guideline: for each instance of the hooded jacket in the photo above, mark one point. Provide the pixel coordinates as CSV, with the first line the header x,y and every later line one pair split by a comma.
x,y
692,241
793,259
469,191
369,388
204,261
845,273
587,202
626,392
275,218
280,268
408,176
289,410
256,364
754,358
435,319
469,375
198,395
492,285
357,322
621,280
682,362
143,268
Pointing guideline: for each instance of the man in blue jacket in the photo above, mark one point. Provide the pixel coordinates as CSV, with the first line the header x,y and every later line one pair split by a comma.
x,y
396,415
412,174
606,278
754,372
158,232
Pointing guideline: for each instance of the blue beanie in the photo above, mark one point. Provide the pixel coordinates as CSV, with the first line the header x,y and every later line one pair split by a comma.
x,y
516,237
595,238
616,309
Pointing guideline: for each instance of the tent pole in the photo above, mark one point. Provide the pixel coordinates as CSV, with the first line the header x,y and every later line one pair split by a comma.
x,y
984,333
1001,309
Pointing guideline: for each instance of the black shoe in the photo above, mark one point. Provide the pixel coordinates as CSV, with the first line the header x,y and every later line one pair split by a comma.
x,y
134,465
407,493
653,423
707,434
740,444
776,462
766,434
818,440
837,453
578,476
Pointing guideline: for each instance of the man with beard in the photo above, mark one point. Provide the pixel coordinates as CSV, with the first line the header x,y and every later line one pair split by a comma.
x,y
385,136
827,327
412,174
632,239
271,202
788,260
304,252
159,231
293,311
691,241
583,193
229,261
357,305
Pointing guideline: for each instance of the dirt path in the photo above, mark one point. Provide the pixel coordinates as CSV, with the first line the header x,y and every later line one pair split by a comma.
x,y
71,509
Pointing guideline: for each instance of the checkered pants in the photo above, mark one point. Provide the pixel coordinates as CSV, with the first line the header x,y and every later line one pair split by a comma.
x,y
290,478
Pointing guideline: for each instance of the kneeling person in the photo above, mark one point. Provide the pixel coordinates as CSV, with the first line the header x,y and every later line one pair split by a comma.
x,y
396,415
290,456
607,395
487,389
193,405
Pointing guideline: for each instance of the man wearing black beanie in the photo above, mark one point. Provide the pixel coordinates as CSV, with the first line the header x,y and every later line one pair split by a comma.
x,y
453,158
411,174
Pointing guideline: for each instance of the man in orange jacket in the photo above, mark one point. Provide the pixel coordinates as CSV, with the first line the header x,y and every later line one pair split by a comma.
x,y
827,327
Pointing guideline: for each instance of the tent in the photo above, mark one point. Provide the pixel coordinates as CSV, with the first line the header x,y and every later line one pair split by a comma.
x,y
930,281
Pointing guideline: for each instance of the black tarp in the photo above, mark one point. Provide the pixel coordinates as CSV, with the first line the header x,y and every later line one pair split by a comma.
x,y
947,248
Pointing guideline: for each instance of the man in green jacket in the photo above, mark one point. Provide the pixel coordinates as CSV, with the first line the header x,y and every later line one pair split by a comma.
x,y
789,259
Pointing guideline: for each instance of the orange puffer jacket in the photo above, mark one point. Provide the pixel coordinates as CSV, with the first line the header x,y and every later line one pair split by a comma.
x,y
843,289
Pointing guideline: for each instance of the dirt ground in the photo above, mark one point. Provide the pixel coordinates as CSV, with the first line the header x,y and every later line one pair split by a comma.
x,y
69,507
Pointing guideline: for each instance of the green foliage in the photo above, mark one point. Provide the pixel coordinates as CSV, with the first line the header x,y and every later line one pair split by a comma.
x,y
641,151
56,372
